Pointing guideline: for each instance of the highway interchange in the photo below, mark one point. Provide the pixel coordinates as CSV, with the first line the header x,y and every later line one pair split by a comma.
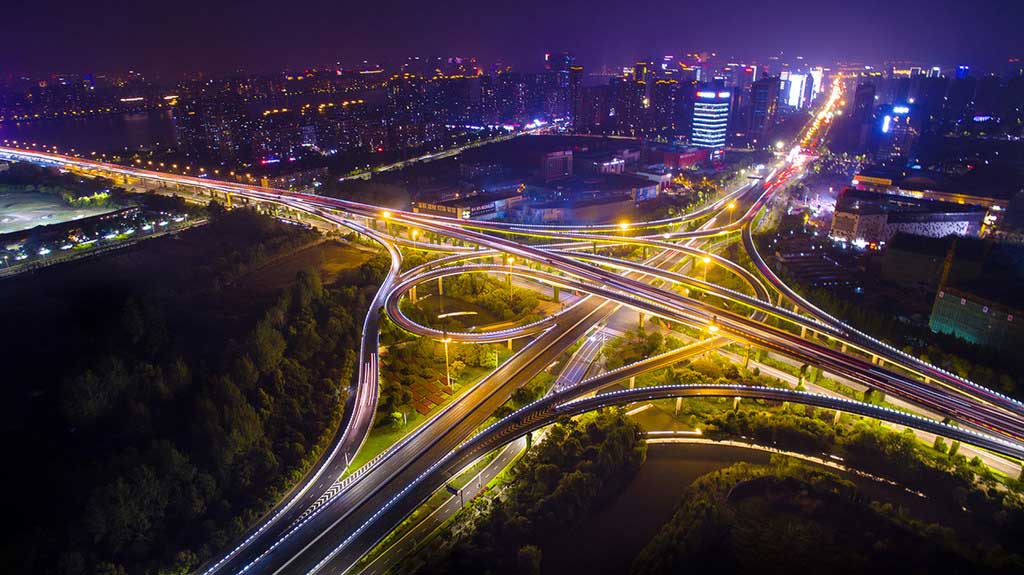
x,y
332,519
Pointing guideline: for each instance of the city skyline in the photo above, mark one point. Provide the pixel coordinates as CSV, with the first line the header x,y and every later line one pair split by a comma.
x,y
263,36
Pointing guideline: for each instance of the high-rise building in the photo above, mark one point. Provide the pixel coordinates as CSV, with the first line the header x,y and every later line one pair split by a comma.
x,y
817,77
1014,68
863,104
643,71
556,82
710,123
664,107
596,103
215,128
796,89
986,95
899,132
513,98
959,102
628,109
575,92
764,96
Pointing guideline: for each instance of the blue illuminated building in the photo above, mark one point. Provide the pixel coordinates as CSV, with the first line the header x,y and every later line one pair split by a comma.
x,y
710,120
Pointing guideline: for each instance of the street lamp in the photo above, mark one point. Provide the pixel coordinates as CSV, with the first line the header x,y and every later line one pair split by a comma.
x,y
447,368
731,207
511,260
706,260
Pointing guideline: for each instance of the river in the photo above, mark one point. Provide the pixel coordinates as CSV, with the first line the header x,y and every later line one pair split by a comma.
x,y
608,541
100,133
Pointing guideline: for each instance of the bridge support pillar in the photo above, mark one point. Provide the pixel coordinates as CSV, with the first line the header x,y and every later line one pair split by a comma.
x,y
440,287
679,404
510,344
556,294
736,403
632,381
842,348
412,294
803,331
640,322
835,420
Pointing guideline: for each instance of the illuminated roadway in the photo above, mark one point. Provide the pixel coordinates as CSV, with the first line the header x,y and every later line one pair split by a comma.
x,y
348,520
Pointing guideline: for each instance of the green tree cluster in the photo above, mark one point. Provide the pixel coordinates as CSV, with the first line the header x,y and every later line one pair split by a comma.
x,y
493,295
579,466
635,345
179,420
791,517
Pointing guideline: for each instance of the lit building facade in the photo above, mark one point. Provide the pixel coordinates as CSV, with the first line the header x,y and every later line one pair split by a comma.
x,y
710,123
974,318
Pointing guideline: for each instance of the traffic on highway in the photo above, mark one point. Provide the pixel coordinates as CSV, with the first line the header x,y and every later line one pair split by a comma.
x,y
336,515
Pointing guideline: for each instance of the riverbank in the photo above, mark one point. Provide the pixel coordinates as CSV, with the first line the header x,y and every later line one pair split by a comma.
x,y
625,526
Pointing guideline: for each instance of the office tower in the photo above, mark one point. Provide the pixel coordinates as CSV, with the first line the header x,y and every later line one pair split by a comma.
x,y
899,132
710,123
861,117
817,77
796,84
863,105
764,96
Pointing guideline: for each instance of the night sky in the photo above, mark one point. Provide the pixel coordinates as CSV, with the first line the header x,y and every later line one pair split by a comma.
x,y
182,36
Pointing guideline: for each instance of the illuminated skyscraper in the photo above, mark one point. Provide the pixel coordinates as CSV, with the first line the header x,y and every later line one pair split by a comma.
x,y
710,119
796,88
556,80
899,133
575,92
